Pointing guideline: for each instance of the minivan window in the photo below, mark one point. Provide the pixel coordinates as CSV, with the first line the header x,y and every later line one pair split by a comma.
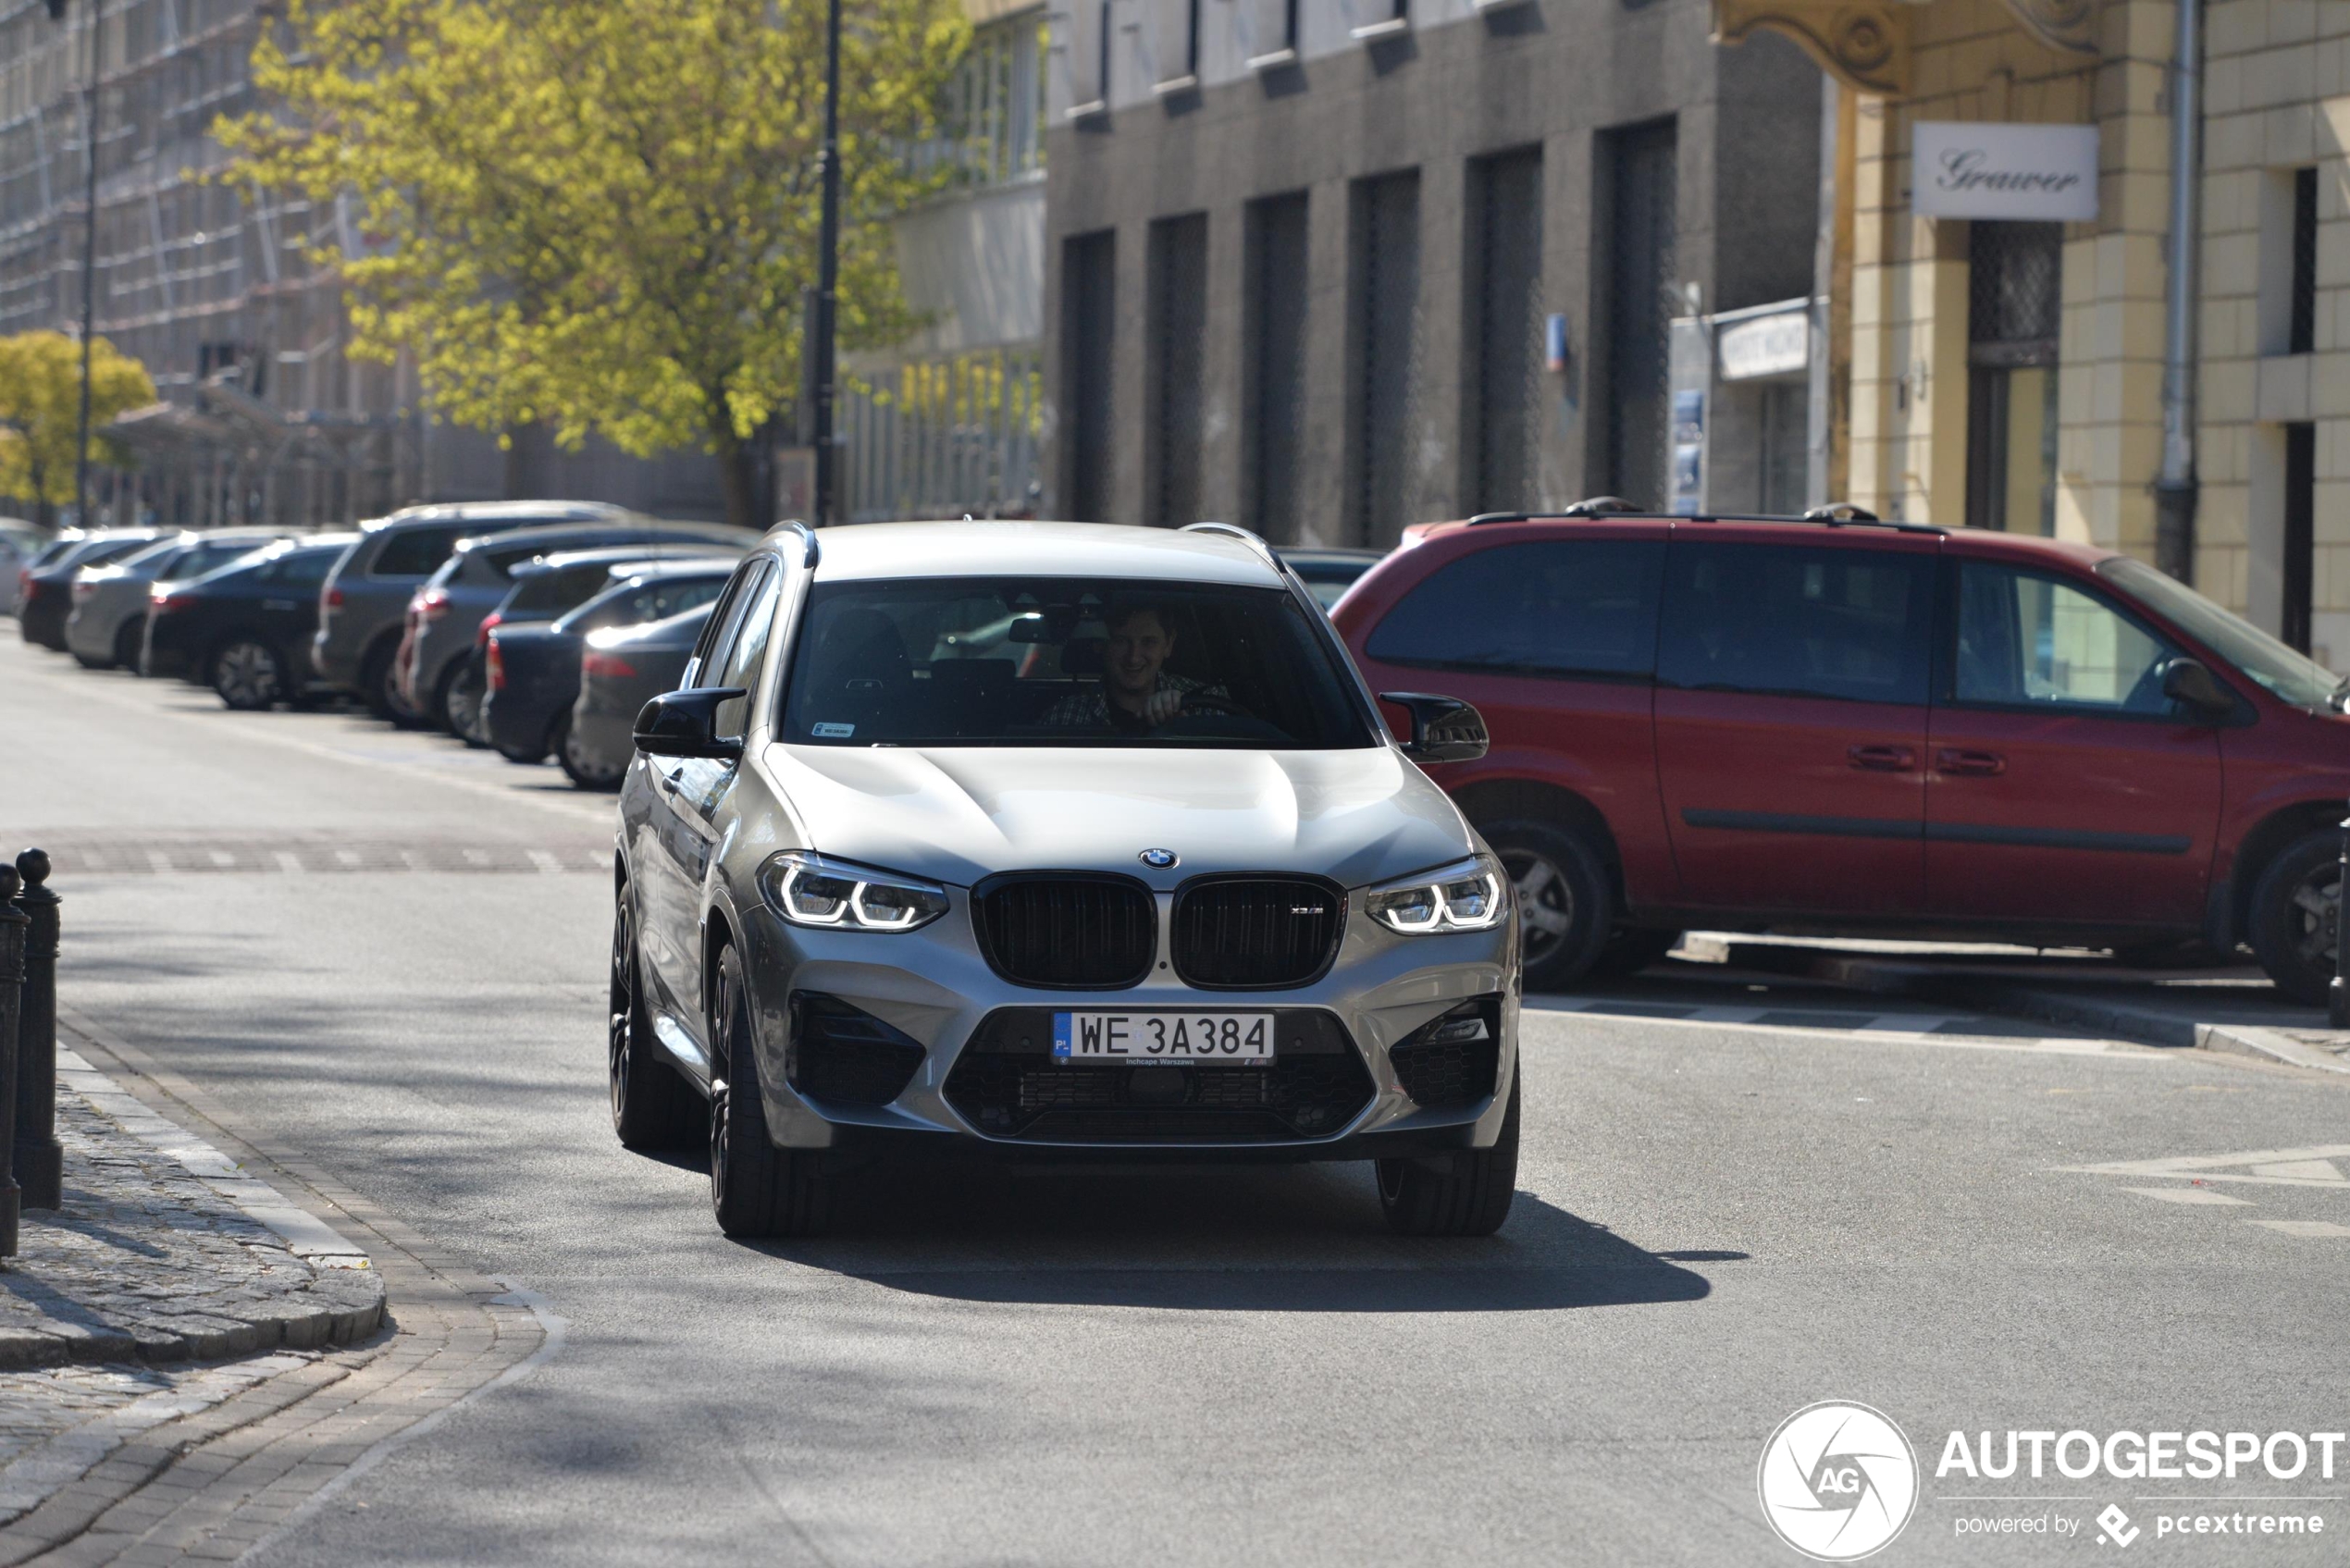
x,y
1847,624
1580,607
2287,675
1066,662
413,552
2028,639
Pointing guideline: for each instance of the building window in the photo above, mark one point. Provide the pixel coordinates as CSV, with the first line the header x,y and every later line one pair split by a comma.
x,y
1503,397
1175,430
1636,171
2300,532
1386,292
1088,318
1091,97
1273,390
990,113
2015,295
2302,333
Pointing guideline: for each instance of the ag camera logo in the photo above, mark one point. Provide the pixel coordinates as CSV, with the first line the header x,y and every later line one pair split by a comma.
x,y
1837,1481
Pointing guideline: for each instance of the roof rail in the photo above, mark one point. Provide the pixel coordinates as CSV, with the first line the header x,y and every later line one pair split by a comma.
x,y
810,550
1599,506
1841,511
1233,530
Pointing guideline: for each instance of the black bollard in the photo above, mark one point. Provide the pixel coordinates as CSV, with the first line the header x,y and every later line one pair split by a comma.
x,y
12,924
2338,993
40,1163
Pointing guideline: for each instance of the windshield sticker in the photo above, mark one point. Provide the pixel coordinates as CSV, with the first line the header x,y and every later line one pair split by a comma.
x,y
832,732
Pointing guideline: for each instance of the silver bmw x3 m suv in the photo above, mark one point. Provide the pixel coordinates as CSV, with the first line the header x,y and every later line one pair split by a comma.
x,y
1053,839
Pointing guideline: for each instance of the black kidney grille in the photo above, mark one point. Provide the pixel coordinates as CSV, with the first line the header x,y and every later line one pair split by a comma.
x,y
1006,1084
1255,933
1080,934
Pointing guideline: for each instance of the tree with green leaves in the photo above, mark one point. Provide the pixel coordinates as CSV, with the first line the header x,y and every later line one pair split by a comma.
x,y
41,412
600,215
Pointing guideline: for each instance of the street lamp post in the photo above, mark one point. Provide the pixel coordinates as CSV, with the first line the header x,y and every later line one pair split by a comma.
x,y
826,317
89,251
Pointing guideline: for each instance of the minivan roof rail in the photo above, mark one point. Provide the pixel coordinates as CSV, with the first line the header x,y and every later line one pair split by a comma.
x,y
810,550
1233,530
1836,514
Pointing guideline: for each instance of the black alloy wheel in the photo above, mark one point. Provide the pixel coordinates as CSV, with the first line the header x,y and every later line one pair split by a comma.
x,y
249,675
1463,1195
1564,908
652,1107
2295,907
755,1188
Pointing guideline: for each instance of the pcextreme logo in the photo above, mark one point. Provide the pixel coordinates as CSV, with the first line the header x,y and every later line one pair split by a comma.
x,y
1837,1481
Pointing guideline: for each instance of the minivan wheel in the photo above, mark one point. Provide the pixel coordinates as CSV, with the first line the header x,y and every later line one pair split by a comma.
x,y
1470,1197
755,1188
248,675
1565,909
652,1107
2294,906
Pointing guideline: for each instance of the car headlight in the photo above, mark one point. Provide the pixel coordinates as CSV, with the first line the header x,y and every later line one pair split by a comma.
x,y
1470,896
811,890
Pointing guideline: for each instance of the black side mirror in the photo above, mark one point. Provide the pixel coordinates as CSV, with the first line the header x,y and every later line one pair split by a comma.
x,y
2191,683
1445,729
684,723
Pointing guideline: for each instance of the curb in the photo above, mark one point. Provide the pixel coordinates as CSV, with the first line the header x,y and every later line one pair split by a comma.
x,y
344,1302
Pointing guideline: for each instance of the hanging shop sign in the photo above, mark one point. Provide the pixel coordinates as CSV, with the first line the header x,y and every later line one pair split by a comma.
x,y
2043,172
1772,342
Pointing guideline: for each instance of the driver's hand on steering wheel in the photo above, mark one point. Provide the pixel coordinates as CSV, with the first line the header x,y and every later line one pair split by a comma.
x,y
1162,707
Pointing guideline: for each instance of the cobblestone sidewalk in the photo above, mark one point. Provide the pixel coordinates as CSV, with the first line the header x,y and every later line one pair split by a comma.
x,y
163,1255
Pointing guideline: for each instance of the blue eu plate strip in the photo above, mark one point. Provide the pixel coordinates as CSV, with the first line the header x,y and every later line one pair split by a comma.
x,y
1060,1036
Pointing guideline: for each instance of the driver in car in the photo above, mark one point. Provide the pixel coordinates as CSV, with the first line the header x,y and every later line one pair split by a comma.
x,y
1137,693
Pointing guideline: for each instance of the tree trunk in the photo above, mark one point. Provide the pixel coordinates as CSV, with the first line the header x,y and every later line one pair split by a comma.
x,y
734,477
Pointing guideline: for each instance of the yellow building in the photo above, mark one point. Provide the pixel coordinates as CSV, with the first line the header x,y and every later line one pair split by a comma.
x,y
1995,361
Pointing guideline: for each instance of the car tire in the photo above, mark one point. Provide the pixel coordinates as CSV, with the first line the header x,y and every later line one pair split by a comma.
x,y
575,765
248,674
755,1188
1470,1197
2295,905
1565,908
126,643
653,1106
380,683
1632,949
457,705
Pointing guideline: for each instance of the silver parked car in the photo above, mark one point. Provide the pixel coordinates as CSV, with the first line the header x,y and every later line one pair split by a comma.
x,y
1145,877
109,615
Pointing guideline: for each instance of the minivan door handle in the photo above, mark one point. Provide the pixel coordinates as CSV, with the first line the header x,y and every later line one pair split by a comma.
x,y
1969,764
1883,758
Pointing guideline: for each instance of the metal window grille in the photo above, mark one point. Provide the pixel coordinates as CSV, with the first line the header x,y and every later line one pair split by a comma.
x,y
944,437
1088,328
1387,223
1275,392
2300,531
1178,347
1506,396
2015,293
1640,164
2303,324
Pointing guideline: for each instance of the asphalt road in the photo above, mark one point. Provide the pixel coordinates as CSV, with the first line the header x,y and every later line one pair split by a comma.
x,y
1718,1223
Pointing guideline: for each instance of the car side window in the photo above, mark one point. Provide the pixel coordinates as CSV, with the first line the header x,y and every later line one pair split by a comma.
x,y
413,552
1580,607
2029,639
748,646
719,630
1781,621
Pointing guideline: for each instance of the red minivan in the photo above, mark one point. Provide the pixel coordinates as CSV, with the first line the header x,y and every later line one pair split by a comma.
x,y
1838,725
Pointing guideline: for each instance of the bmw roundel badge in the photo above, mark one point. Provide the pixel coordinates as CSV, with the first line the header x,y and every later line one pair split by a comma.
x,y
1159,860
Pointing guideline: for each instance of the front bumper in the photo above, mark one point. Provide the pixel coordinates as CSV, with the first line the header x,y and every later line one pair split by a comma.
x,y
935,989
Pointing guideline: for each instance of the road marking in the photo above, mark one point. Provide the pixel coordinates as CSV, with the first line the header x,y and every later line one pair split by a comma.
x,y
221,857
2313,1230
2187,1195
546,862
347,857
2265,1167
160,861
290,862
1916,1029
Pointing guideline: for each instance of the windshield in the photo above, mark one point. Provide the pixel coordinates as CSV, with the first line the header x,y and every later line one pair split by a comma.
x,y
1065,662
2289,676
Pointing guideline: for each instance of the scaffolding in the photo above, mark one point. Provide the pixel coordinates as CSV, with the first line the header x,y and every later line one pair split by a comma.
x,y
265,418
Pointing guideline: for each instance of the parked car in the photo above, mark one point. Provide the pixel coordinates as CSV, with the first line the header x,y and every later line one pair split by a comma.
x,y
44,587
109,615
620,671
364,598
534,666
1328,573
1858,727
439,656
20,542
869,897
243,629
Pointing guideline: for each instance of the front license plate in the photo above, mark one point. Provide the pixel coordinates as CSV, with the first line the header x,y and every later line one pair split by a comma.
x,y
1176,1039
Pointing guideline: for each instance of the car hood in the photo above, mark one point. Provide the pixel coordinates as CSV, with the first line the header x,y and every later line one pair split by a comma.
x,y
959,813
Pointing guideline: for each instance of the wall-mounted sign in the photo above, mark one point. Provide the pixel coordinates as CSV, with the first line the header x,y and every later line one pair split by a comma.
x,y
1776,345
2047,172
